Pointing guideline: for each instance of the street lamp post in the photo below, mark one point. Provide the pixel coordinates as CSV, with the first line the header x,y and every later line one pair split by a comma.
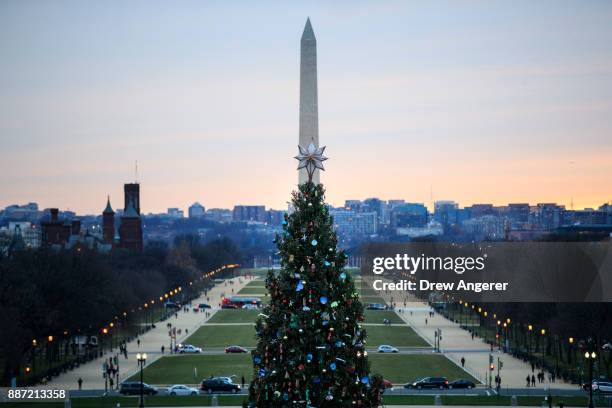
x,y
141,358
590,358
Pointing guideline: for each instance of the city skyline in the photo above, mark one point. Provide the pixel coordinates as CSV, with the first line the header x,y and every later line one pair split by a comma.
x,y
515,109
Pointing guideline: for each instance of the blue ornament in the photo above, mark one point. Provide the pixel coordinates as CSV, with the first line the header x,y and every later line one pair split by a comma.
x,y
257,360
327,263
338,344
332,366
309,357
325,322
343,276
299,287
284,222
313,242
323,300
365,380
316,380
262,372
286,396
306,308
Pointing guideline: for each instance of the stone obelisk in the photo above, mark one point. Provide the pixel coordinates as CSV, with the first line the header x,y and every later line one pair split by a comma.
x,y
309,110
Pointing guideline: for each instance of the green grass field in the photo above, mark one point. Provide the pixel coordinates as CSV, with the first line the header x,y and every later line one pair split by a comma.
x,y
221,336
256,283
397,336
398,368
179,369
402,368
253,291
234,316
377,316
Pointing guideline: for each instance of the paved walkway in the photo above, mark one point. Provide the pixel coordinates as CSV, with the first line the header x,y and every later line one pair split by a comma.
x,y
457,343
150,342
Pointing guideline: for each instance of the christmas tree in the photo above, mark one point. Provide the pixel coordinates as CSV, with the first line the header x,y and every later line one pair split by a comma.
x,y
312,346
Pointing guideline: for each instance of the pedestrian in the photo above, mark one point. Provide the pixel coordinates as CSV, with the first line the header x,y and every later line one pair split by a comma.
x,y
532,380
111,383
163,348
425,322
528,382
462,362
472,335
532,367
242,381
138,342
186,331
80,381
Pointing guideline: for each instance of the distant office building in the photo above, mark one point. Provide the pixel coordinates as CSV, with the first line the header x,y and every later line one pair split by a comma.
x,y
517,215
354,205
219,215
249,213
587,216
379,207
175,213
351,223
392,204
196,210
433,228
485,227
408,215
27,212
548,216
480,210
446,212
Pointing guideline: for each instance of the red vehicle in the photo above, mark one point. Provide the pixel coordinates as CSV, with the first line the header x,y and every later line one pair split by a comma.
x,y
235,349
236,302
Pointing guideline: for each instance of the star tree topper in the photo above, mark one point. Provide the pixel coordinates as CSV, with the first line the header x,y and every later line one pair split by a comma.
x,y
311,158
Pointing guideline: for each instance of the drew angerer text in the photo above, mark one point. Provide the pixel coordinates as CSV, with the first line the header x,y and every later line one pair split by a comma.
x,y
424,284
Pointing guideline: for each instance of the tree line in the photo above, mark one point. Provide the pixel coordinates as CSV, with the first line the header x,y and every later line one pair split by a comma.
x,y
48,293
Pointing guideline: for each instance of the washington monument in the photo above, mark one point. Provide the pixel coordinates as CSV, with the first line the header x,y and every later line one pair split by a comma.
x,y
309,110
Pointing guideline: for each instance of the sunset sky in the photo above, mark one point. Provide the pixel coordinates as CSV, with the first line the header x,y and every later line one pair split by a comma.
x,y
475,101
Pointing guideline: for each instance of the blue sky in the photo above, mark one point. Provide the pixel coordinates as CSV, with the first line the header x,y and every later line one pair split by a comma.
x,y
479,101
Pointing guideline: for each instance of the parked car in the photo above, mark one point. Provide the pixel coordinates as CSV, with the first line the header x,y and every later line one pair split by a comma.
x,y
172,305
235,349
385,348
188,348
228,379
133,388
602,386
204,306
429,382
219,385
376,306
182,390
249,306
461,383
